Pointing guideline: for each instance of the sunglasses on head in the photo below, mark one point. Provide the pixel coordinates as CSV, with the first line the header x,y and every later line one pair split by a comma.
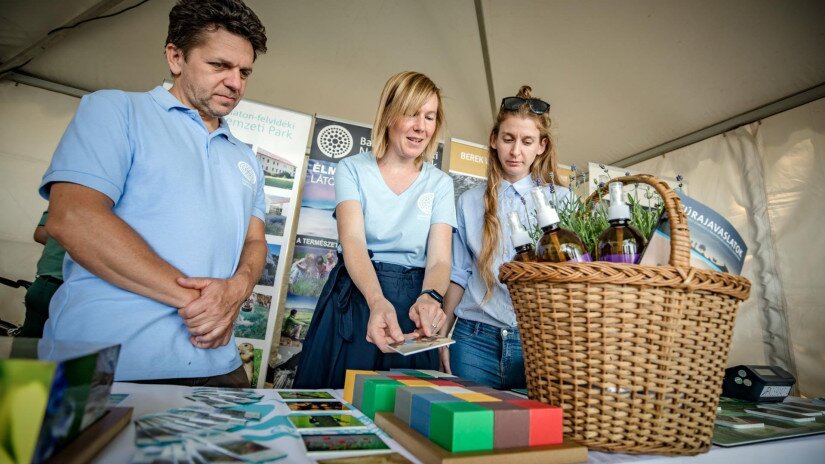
x,y
514,103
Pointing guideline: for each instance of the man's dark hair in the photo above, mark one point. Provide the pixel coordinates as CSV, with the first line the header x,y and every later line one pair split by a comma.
x,y
189,19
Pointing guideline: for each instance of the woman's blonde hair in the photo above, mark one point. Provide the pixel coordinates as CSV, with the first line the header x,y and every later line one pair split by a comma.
x,y
543,169
404,94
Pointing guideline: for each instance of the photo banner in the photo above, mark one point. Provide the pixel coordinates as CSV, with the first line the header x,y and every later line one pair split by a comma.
x,y
315,243
468,165
279,139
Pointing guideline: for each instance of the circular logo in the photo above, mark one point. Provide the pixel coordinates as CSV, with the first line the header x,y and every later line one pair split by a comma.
x,y
334,141
425,203
247,172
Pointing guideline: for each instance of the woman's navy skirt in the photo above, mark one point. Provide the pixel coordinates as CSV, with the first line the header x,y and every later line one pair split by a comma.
x,y
337,336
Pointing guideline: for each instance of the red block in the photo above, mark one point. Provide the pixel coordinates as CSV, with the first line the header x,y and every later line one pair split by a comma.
x,y
444,383
402,377
545,422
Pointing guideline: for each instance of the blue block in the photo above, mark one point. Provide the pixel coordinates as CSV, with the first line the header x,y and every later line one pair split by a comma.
x,y
403,401
421,408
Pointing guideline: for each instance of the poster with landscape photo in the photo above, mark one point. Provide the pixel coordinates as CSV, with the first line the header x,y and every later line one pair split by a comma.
x,y
253,317
277,209
284,358
468,165
314,254
278,139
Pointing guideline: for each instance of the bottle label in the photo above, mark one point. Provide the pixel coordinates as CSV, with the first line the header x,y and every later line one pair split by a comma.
x,y
629,258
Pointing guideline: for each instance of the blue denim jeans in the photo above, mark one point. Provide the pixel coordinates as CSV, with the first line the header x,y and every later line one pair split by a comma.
x,y
488,355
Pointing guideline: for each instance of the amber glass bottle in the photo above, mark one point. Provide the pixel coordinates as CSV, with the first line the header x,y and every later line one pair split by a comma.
x,y
521,239
621,242
557,245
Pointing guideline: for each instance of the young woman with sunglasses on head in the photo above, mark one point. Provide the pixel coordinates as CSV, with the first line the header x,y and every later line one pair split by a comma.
x,y
487,345
395,214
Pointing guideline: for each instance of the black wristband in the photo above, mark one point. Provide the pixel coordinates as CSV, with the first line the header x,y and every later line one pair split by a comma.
x,y
434,294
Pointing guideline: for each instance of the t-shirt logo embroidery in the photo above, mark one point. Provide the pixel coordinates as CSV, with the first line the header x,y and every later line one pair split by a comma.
x,y
247,172
425,203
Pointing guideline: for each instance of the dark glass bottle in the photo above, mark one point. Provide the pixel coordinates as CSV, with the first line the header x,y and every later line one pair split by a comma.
x,y
521,240
556,245
621,242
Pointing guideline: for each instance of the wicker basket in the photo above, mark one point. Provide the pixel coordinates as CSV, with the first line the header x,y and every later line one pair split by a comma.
x,y
633,354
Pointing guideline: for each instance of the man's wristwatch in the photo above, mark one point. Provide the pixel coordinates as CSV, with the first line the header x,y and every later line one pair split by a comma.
x,y
434,294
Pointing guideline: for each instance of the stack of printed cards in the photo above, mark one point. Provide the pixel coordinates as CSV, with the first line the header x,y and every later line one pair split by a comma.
x,y
419,344
209,449
391,458
173,425
328,427
224,397
319,446
739,422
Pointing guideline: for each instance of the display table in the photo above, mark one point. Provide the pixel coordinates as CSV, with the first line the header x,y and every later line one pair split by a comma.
x,y
147,399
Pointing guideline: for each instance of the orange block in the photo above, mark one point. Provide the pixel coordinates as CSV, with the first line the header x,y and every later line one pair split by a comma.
x,y
475,397
349,383
416,382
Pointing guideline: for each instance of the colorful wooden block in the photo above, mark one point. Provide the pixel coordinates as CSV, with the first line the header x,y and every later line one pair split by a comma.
x,y
349,383
511,425
421,409
379,395
436,374
358,390
466,383
452,390
401,377
462,426
403,401
474,397
545,422
503,395
416,382
444,383
413,373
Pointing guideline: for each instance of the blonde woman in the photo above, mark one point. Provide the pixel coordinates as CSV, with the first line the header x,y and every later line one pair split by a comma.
x,y
522,155
395,215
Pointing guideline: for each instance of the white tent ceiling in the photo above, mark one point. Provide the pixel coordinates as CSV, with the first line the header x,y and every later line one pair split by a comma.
x,y
623,76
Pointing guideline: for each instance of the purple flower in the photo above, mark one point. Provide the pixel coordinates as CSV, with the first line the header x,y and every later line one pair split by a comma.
x,y
627,173
679,178
572,167
552,187
601,184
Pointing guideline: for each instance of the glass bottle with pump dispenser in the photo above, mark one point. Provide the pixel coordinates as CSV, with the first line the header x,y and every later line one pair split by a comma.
x,y
557,245
521,240
621,242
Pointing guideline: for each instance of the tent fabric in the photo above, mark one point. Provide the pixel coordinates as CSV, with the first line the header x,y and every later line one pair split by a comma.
x,y
767,180
744,145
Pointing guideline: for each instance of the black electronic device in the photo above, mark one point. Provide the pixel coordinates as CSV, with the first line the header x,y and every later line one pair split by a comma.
x,y
757,383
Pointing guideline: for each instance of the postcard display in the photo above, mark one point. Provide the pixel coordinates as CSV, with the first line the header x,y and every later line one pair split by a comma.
x,y
279,138
316,241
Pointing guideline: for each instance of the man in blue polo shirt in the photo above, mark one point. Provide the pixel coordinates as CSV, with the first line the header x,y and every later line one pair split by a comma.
x,y
161,209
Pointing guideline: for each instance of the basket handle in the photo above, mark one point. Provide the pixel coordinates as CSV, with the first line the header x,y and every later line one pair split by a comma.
x,y
679,233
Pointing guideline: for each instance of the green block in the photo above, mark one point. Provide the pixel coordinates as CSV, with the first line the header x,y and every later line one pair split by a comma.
x,y
461,426
416,374
379,395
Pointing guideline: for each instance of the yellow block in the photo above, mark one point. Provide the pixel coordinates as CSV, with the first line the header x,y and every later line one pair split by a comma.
x,y
476,397
416,383
349,383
